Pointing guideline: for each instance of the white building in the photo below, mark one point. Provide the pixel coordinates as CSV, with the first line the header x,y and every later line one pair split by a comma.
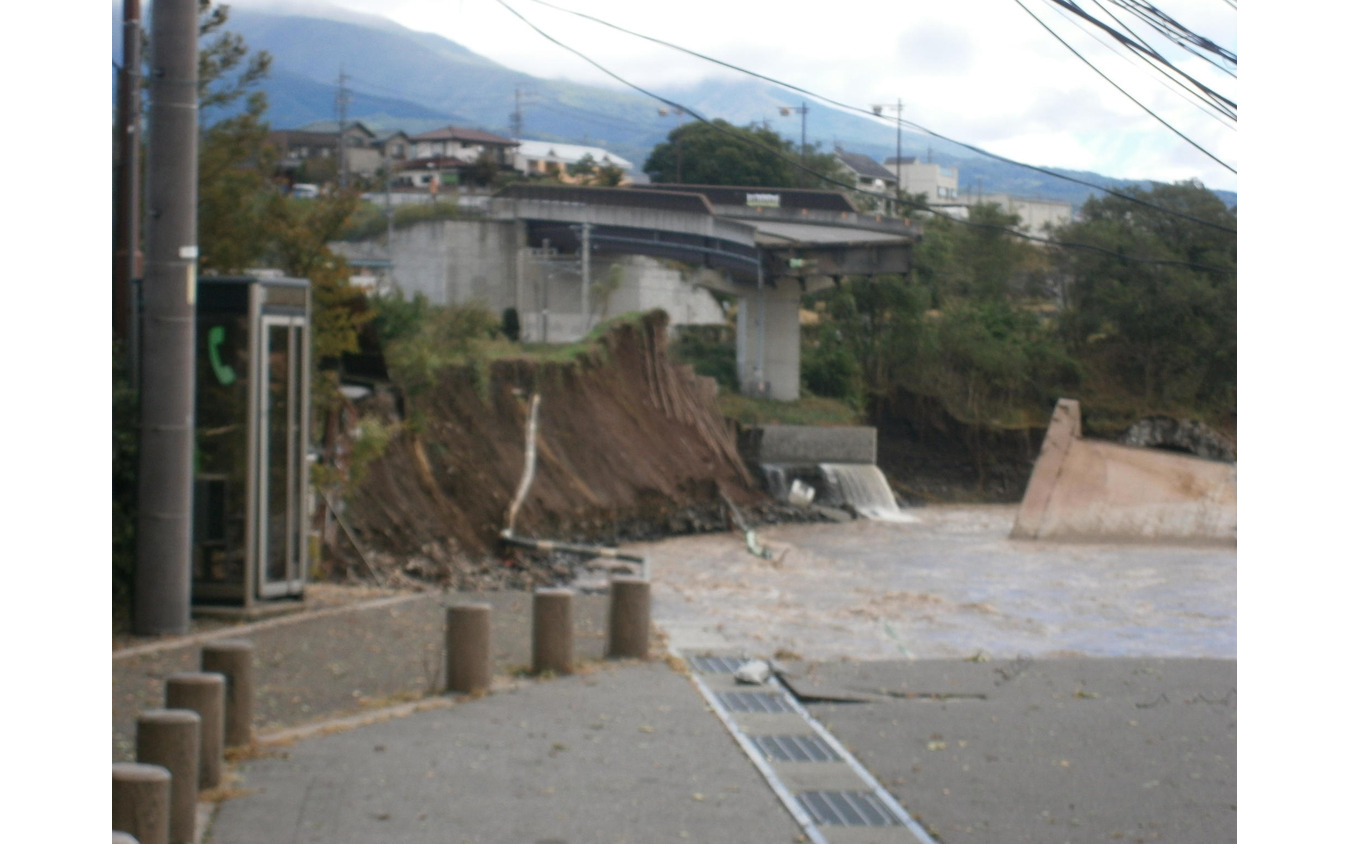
x,y
936,182
547,158
1037,215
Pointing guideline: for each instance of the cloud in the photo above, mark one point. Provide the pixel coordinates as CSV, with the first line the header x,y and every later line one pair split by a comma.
x,y
936,48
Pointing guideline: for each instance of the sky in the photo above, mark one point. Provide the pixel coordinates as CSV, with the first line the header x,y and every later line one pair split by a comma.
x,y
979,71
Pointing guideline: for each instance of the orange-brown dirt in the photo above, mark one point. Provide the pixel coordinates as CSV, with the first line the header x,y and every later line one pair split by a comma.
x,y
630,445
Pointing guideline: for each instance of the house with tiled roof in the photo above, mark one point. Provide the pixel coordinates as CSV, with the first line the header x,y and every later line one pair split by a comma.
x,y
870,175
463,144
323,139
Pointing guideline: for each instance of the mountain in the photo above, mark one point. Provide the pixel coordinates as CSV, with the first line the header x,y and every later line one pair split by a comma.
x,y
418,81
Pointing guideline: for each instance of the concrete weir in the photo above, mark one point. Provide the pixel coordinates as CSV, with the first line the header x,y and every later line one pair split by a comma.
x,y
1090,490
830,467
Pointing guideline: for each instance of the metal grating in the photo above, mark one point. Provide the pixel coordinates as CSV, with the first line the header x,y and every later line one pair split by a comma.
x,y
795,749
846,808
754,702
716,664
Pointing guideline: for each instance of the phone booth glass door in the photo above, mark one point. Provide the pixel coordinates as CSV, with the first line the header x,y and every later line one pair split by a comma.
x,y
281,457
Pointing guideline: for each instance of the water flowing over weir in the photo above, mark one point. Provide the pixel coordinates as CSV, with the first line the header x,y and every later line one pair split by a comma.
x,y
864,487
859,486
837,463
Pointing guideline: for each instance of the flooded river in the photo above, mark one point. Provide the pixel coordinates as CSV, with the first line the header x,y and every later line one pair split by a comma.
x,y
949,585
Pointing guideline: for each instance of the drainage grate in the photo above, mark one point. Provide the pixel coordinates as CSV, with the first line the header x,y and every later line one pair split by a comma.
x,y
846,808
754,702
795,749
716,664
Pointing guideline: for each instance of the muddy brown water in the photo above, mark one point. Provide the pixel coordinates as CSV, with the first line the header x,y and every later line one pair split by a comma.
x,y
950,585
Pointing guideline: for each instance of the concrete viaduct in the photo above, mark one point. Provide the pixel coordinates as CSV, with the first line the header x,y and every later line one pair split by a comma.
x,y
766,246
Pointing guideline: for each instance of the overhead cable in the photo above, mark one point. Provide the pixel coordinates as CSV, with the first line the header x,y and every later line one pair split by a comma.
x,y
1149,111
866,111
794,161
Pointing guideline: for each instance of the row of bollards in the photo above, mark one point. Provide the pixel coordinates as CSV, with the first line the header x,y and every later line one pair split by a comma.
x,y
180,749
468,649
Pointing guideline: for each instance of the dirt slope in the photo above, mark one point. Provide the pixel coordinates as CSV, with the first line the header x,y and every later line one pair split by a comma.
x,y
629,443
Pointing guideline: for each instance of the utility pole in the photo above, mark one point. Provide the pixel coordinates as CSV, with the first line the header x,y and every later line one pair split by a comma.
x,y
517,118
163,582
899,167
344,98
127,247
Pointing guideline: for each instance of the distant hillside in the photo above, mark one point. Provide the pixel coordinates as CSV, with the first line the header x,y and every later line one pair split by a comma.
x,y
417,81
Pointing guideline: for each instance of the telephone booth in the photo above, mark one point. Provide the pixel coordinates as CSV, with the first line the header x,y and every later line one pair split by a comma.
x,y
250,520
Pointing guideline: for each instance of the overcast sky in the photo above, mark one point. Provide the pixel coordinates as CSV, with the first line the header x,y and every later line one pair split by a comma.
x,y
979,71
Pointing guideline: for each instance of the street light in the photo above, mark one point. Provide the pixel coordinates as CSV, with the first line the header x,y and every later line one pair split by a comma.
x,y
802,109
877,110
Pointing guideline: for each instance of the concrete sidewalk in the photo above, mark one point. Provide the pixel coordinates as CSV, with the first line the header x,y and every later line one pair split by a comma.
x,y
624,752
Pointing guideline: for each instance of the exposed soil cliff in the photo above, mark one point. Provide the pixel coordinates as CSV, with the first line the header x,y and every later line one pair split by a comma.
x,y
630,444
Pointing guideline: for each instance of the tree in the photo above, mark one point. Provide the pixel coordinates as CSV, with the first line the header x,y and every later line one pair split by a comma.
x,y
977,259
243,220
722,154
588,171
1164,328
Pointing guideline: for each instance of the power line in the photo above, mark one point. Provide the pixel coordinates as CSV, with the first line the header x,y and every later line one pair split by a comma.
x,y
1175,130
830,180
847,107
1225,117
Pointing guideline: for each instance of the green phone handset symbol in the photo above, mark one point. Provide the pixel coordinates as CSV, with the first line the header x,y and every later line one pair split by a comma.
x,y
224,372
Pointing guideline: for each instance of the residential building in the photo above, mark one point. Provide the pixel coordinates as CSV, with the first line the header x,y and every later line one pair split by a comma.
x,y
937,183
322,140
869,175
546,158
463,144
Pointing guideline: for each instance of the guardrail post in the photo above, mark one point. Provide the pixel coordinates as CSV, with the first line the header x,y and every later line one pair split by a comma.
x,y
234,659
468,648
552,631
140,803
171,738
203,693
630,617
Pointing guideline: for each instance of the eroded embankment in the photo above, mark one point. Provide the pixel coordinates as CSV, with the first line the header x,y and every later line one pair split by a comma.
x,y
629,442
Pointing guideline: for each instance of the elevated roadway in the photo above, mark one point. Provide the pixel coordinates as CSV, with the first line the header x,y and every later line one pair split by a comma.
x,y
767,246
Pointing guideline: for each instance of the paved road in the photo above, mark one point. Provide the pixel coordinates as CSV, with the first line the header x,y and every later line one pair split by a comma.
x,y
1000,691
625,753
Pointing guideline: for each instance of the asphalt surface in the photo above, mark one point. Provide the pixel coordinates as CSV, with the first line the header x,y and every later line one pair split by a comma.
x,y
1058,750
1127,734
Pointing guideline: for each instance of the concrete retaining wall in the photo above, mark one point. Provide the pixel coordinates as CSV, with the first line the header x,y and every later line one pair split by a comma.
x,y
804,444
1091,490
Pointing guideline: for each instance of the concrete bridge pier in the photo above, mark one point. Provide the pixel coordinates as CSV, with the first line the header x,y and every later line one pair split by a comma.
x,y
768,342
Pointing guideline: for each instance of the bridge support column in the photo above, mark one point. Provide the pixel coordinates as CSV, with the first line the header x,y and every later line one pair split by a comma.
x,y
768,342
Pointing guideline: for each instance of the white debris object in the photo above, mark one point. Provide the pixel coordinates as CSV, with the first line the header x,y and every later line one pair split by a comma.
x,y
755,671
801,494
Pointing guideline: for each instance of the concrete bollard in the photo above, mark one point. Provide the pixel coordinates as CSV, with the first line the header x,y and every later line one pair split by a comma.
x,y
203,693
140,803
551,631
234,659
468,648
172,738
630,617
